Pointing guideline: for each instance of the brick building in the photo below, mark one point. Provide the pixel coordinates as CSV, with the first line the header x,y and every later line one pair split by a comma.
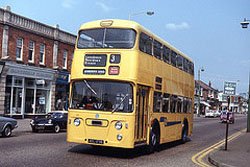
x,y
36,60
208,96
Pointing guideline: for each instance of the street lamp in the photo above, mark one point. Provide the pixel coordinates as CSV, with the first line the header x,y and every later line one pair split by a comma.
x,y
248,112
150,13
199,90
244,24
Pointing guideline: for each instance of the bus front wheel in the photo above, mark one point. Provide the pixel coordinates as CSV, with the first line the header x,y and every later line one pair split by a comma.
x,y
153,140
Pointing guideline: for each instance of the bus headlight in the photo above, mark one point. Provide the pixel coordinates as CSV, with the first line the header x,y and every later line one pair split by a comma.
x,y
119,137
118,125
77,122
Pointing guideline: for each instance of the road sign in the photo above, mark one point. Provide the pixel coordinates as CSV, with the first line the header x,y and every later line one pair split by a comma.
x,y
229,88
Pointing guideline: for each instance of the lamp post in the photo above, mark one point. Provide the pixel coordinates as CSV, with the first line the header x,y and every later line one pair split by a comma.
x,y
150,13
248,112
199,90
244,24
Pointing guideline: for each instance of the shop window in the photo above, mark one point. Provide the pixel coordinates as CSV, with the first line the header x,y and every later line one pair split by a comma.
x,y
166,100
43,84
17,100
7,100
29,101
41,101
157,102
18,81
19,49
31,51
9,80
29,82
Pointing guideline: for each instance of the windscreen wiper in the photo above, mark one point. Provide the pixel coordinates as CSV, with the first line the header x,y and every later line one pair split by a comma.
x,y
87,84
115,109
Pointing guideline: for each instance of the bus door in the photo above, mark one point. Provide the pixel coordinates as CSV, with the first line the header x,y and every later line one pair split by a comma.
x,y
141,114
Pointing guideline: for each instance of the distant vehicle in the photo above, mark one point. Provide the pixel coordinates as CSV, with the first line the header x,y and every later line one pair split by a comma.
x,y
223,116
55,121
210,113
217,113
7,125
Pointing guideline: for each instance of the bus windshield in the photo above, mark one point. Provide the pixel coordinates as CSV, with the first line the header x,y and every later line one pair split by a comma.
x,y
102,95
106,38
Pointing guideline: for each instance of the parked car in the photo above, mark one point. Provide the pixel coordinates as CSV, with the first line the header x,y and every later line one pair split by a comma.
x,y
55,121
7,125
223,116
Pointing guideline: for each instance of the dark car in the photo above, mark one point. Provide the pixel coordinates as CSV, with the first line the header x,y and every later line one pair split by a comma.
x,y
223,116
7,125
55,121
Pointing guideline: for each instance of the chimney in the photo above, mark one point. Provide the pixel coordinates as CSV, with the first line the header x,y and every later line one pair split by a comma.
x,y
209,83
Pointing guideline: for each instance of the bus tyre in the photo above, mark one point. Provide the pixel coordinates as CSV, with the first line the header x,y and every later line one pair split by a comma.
x,y
184,135
153,141
57,128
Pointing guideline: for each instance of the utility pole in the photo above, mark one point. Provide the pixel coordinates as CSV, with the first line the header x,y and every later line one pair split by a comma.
x,y
248,112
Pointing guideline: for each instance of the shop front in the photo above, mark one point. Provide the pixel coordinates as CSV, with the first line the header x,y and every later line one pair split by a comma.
x,y
28,90
62,90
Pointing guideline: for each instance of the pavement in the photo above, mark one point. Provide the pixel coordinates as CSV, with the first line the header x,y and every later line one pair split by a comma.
x,y
23,126
237,154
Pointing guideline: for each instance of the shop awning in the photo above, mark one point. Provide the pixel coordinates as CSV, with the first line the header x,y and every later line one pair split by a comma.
x,y
205,103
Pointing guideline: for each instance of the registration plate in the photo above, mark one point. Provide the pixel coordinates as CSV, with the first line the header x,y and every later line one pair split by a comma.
x,y
95,141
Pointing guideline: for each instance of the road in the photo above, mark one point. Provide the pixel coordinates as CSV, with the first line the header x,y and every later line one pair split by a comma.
x,y
49,149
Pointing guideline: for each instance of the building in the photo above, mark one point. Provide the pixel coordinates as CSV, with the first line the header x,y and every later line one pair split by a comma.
x,y
237,103
208,96
36,60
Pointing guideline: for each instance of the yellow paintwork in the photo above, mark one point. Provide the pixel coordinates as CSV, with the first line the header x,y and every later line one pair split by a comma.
x,y
139,69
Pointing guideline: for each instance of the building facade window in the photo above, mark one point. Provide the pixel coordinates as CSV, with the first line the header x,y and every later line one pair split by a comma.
x,y
42,54
65,59
19,49
31,51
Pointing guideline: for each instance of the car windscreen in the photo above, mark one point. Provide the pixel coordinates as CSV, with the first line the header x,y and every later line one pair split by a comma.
x,y
106,38
102,95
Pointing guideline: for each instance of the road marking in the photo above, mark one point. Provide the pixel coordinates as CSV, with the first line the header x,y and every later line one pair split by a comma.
x,y
198,158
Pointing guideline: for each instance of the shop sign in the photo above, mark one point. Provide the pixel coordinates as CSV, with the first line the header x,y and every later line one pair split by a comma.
x,y
29,73
62,78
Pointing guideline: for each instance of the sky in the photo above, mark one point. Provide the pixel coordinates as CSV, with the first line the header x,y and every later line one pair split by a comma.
x,y
208,31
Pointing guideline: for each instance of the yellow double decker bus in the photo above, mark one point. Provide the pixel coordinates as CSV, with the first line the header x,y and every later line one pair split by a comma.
x,y
128,88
